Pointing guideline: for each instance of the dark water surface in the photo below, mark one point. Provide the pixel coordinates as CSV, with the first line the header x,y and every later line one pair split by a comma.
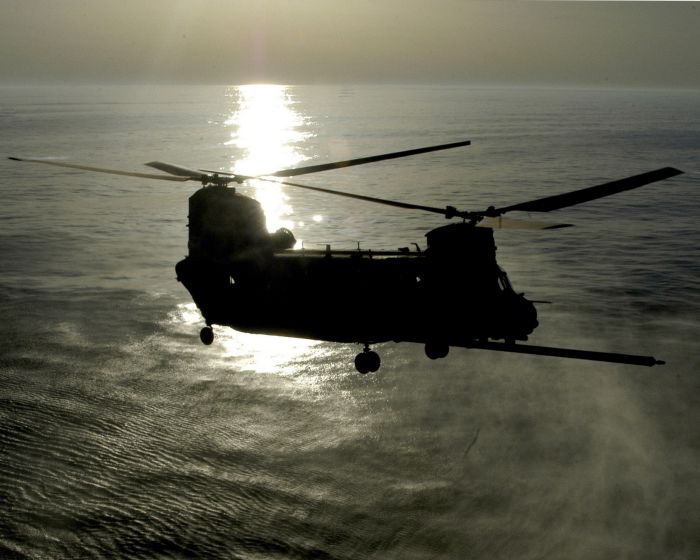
x,y
122,436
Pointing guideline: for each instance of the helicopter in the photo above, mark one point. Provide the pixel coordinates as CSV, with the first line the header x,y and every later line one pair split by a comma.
x,y
452,294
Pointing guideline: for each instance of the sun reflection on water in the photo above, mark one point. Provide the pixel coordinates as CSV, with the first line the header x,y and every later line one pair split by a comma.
x,y
251,352
265,131
265,128
263,353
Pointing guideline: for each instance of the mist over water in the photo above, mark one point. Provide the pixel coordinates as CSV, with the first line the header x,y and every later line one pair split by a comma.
x,y
121,435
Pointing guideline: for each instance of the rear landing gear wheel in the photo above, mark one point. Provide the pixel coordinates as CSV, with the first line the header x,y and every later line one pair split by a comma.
x,y
367,361
206,335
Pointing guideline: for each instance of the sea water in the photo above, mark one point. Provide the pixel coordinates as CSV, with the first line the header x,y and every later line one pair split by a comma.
x,y
121,435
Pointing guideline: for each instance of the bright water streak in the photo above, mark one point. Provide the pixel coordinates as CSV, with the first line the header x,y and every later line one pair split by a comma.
x,y
122,436
266,128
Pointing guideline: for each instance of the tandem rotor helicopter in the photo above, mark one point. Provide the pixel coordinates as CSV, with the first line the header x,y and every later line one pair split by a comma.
x,y
453,294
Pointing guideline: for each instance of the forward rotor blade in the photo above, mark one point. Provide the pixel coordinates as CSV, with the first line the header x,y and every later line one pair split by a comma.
x,y
101,169
510,223
631,359
494,223
361,161
572,198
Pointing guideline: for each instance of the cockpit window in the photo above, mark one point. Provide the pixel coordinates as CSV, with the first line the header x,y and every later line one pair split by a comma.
x,y
503,282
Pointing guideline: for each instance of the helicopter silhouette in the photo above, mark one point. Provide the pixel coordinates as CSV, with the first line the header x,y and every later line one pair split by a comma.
x,y
452,294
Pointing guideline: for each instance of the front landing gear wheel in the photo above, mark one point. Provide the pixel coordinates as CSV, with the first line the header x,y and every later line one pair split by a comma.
x,y
367,361
206,335
435,350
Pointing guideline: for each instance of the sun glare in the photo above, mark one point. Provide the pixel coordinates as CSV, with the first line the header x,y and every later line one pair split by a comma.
x,y
265,128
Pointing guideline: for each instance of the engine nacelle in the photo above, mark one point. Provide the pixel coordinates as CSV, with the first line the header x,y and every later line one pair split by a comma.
x,y
225,225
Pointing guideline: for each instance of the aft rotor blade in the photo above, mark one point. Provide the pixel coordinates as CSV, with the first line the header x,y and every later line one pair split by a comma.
x,y
384,201
101,169
572,198
178,170
361,161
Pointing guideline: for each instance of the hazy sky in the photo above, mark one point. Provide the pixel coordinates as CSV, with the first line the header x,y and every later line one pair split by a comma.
x,y
317,41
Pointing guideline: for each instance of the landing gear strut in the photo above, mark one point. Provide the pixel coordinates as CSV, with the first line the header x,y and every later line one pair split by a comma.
x,y
367,361
206,335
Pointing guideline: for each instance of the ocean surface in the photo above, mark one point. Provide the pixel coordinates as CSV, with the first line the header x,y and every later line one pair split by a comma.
x,y
122,436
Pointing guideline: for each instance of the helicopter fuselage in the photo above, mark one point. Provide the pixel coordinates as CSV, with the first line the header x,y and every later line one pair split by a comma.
x,y
362,297
453,294
241,276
